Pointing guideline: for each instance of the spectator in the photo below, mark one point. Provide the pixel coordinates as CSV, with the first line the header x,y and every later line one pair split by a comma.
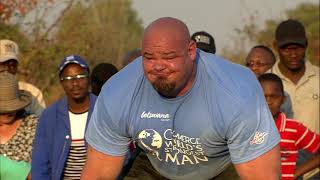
x,y
204,41
100,74
260,60
59,150
300,78
17,129
193,113
9,62
294,135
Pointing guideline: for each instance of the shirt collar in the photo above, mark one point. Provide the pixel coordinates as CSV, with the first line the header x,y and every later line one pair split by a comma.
x,y
281,122
310,70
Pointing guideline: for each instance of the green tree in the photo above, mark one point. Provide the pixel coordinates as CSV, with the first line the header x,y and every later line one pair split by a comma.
x,y
102,31
98,30
307,13
13,33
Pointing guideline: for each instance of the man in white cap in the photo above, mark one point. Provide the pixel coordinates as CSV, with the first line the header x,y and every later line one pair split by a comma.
x,y
9,61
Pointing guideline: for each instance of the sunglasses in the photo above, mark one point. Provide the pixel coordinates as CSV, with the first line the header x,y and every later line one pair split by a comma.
x,y
76,77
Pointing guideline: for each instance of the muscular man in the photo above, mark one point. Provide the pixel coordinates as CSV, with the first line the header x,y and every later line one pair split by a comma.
x,y
193,113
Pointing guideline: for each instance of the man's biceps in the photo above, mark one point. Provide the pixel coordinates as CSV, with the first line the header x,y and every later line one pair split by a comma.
x,y
265,158
98,155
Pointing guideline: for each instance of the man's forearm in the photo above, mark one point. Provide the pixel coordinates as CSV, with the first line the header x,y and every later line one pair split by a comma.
x,y
311,164
100,166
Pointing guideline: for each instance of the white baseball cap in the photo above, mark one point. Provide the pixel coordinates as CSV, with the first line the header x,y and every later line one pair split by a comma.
x,y
8,50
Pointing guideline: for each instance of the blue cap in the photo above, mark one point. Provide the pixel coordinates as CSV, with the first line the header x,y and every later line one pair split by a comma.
x,y
73,59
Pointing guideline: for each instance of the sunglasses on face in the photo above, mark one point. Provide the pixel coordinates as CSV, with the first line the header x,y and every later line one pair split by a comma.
x,y
76,77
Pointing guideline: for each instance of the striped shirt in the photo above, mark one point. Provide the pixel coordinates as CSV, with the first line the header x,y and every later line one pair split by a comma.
x,y
76,160
294,136
77,153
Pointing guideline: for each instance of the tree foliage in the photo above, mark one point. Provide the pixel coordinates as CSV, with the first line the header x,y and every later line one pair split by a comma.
x,y
10,9
97,30
307,13
102,31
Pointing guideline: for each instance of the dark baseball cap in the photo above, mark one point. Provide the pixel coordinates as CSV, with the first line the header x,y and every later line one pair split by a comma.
x,y
204,41
291,32
73,59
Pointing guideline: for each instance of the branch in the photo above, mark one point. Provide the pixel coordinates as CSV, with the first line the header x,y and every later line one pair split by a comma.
x,y
57,20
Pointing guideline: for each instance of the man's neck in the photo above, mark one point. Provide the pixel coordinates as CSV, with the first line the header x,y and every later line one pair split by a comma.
x,y
294,76
79,105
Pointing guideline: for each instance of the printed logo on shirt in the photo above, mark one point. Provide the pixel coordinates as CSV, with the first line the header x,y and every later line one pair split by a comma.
x,y
258,138
151,140
173,147
149,115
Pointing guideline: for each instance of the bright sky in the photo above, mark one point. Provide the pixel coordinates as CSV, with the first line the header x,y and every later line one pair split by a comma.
x,y
219,18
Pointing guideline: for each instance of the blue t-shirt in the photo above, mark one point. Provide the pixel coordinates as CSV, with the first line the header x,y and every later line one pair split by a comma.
x,y
223,118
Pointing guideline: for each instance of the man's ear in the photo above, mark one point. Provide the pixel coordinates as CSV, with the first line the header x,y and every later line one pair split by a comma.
x,y
192,50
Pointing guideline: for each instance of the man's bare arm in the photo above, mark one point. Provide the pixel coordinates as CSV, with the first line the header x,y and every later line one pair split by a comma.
x,y
101,166
264,167
311,164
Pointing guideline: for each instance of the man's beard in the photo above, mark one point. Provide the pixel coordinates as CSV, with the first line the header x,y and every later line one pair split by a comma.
x,y
164,87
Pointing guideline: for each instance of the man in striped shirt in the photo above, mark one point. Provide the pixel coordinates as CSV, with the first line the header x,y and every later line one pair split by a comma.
x,y
294,135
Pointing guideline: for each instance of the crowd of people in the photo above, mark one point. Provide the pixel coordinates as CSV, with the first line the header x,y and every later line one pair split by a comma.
x,y
176,110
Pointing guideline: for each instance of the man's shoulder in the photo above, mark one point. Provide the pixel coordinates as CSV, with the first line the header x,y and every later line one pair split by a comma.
x,y
54,106
234,79
31,121
28,87
313,69
293,126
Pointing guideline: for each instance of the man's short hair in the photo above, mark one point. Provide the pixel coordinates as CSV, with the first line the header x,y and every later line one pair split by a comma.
x,y
204,41
102,72
291,32
271,78
267,49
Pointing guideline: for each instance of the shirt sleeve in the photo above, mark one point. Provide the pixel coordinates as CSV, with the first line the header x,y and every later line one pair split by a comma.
x,y
306,139
104,132
252,132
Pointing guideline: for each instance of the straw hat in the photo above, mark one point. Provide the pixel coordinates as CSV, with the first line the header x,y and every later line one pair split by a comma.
x,y
11,98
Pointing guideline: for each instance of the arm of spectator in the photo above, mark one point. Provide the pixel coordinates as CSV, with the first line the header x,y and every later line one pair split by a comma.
x,y
101,166
311,164
29,176
266,166
309,141
40,165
